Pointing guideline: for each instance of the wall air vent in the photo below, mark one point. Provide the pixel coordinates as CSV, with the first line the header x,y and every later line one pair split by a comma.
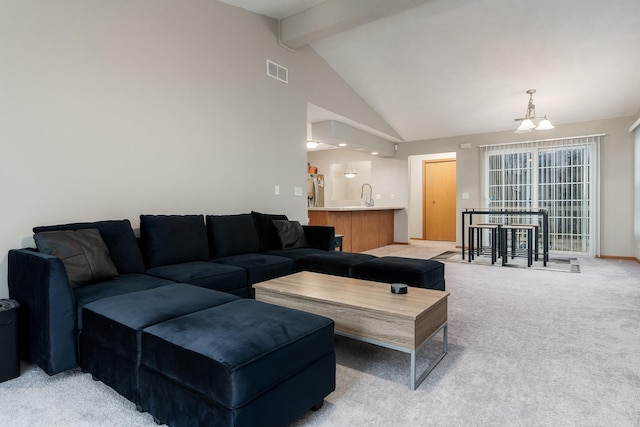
x,y
277,71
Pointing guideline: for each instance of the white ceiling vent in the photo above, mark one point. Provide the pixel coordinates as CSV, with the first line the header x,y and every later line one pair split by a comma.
x,y
277,71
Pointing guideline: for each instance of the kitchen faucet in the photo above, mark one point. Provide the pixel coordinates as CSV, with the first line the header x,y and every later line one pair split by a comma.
x,y
370,202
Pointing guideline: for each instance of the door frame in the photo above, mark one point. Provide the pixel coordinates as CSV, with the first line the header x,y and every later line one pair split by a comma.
x,y
424,191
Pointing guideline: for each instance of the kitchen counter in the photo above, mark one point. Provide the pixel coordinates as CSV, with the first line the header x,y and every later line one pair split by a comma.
x,y
363,227
357,208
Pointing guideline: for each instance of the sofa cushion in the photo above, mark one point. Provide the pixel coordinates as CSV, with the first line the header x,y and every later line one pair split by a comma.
x,y
267,233
119,238
333,262
124,284
201,351
295,254
422,273
83,253
173,239
210,275
291,234
320,236
260,267
232,235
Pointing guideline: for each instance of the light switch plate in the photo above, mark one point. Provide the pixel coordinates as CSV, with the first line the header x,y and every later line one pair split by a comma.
x,y
297,191
465,195
277,190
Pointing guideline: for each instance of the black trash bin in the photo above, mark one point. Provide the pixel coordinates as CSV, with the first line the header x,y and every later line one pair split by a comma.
x,y
9,360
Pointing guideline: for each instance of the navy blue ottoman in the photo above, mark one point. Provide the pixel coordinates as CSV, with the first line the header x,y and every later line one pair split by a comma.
x,y
109,342
245,363
421,273
334,263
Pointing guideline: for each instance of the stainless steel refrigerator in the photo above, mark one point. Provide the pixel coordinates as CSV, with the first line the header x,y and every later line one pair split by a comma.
x,y
315,190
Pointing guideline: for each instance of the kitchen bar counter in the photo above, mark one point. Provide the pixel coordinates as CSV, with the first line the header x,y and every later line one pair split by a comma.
x,y
363,227
357,208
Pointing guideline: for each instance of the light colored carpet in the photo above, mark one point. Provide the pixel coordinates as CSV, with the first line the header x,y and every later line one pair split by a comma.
x,y
555,263
526,348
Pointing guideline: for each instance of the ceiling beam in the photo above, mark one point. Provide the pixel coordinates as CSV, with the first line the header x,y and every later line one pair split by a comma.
x,y
335,16
334,133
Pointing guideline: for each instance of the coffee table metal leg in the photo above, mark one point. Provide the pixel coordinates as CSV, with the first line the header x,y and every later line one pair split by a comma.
x,y
415,380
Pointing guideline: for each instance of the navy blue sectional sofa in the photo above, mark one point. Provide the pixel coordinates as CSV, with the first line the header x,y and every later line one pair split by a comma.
x,y
177,272
168,319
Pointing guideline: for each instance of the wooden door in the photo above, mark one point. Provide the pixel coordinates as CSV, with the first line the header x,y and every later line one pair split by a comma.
x,y
439,200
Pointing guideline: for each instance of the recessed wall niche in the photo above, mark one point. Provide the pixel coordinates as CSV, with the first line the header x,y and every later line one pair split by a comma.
x,y
344,188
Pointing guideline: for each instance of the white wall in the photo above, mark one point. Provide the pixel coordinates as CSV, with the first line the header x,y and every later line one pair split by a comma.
x,y
111,109
636,188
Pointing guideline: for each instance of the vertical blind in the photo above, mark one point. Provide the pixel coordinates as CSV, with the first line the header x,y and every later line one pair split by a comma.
x,y
560,175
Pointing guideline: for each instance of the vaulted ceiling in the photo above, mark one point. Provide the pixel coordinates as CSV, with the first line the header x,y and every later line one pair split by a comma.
x,y
441,68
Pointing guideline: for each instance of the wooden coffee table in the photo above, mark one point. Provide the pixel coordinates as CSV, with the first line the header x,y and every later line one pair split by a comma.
x,y
366,311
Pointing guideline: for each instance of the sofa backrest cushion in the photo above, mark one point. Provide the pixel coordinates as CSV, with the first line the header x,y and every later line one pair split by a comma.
x,y
119,238
83,253
173,239
267,233
232,235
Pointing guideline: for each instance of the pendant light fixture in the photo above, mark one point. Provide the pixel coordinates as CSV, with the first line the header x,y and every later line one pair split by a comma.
x,y
351,171
527,123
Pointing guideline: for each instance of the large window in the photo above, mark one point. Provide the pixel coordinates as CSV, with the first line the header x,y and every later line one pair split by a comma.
x,y
559,175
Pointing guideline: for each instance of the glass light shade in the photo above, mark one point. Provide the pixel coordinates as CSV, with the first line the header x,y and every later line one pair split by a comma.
x,y
351,171
525,126
312,144
545,124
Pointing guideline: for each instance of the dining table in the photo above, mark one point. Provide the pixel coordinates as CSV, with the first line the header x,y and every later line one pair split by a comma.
x,y
541,213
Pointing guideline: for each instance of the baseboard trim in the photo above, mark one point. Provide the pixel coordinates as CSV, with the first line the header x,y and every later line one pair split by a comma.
x,y
624,258
401,243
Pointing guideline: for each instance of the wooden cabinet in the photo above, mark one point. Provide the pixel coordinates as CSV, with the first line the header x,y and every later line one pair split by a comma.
x,y
362,229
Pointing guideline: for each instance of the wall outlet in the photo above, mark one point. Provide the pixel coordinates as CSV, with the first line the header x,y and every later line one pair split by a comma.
x,y
277,190
297,191
378,197
393,196
465,195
